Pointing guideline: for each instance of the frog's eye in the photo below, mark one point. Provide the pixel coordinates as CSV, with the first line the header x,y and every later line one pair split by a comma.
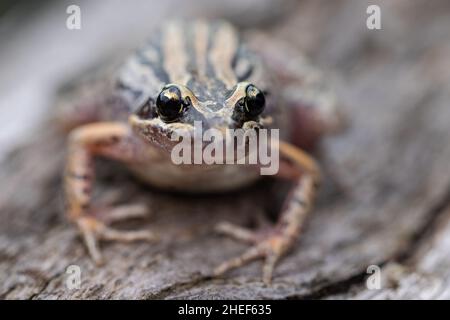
x,y
169,104
254,101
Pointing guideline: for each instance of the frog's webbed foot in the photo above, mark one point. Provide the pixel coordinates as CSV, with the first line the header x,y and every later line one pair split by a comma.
x,y
268,244
93,229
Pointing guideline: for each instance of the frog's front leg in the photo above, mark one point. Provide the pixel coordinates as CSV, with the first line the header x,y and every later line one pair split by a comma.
x,y
111,140
272,243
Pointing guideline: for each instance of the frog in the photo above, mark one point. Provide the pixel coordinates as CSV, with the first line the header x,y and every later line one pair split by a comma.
x,y
205,71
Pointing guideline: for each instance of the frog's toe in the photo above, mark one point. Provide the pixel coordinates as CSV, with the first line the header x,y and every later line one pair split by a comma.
x,y
111,234
270,247
236,232
89,229
251,254
93,230
125,212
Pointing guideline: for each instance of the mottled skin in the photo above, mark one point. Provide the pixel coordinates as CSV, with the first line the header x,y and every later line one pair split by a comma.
x,y
212,68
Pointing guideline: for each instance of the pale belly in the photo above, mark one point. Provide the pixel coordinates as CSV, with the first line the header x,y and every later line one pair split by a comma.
x,y
162,173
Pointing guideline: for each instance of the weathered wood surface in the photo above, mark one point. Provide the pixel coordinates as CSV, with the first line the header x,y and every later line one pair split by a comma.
x,y
385,201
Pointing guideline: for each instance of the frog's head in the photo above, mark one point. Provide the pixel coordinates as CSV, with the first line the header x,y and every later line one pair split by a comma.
x,y
176,108
195,71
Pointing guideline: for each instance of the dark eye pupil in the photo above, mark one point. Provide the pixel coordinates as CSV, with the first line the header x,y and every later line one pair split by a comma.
x,y
169,104
254,101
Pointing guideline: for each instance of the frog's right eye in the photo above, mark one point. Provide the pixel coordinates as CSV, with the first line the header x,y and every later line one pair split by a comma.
x,y
169,104
254,102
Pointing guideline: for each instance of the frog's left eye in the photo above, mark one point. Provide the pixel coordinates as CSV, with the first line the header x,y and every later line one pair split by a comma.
x,y
254,101
169,104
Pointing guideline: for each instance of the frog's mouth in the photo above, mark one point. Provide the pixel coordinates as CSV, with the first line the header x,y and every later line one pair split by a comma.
x,y
158,133
195,137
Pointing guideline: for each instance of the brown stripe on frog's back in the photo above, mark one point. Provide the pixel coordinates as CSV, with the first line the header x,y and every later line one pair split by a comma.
x,y
142,75
152,56
200,39
222,51
175,53
137,82
196,38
